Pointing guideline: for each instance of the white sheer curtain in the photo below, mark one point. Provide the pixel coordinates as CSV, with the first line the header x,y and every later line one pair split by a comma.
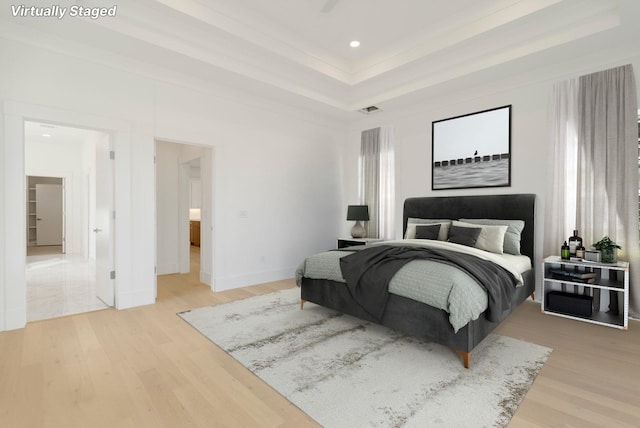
x,y
594,159
560,213
377,180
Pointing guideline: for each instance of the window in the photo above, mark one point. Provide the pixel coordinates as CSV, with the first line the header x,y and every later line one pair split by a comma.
x,y
600,108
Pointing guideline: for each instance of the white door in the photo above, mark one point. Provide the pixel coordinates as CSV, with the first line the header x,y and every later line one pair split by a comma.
x,y
104,225
48,214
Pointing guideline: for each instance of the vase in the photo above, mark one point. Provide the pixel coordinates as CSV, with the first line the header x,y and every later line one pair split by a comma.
x,y
608,255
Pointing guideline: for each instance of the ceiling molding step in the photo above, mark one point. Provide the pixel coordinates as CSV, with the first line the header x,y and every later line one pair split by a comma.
x,y
263,48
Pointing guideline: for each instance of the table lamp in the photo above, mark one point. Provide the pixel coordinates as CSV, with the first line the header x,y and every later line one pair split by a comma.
x,y
358,213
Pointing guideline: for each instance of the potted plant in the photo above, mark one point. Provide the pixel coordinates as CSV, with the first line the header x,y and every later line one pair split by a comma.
x,y
607,249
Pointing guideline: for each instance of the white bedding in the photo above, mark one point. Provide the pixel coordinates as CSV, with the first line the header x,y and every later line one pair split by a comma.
x,y
517,265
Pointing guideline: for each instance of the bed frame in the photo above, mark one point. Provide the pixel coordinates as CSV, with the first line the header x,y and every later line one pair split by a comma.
x,y
424,321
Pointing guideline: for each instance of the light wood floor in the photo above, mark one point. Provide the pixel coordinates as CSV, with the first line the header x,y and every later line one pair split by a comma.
x,y
145,367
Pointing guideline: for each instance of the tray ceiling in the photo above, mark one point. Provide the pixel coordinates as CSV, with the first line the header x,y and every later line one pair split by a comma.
x,y
299,50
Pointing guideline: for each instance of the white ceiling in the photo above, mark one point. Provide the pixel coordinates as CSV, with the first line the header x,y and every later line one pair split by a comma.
x,y
36,132
298,50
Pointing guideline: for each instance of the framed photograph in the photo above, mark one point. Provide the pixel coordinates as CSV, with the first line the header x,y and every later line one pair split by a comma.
x,y
472,150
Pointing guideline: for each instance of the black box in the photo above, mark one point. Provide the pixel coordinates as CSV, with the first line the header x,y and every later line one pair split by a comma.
x,y
570,304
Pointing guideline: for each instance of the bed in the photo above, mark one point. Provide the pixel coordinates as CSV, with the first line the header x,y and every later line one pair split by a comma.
x,y
417,318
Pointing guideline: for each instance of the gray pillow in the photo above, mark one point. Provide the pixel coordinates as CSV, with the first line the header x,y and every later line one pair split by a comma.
x,y
511,237
412,222
464,235
427,231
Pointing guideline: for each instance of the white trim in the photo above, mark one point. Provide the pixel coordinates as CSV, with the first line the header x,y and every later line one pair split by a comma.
x,y
184,228
13,283
15,241
261,277
132,299
168,268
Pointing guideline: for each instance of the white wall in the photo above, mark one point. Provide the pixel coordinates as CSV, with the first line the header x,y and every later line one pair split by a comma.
x,y
529,96
58,160
280,166
286,169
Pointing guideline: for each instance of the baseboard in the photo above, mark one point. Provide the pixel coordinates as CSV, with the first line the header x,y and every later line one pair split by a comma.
x,y
205,278
237,281
167,269
135,298
14,318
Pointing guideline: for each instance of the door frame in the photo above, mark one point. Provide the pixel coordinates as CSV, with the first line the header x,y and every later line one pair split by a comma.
x,y
13,290
104,240
67,197
206,274
184,229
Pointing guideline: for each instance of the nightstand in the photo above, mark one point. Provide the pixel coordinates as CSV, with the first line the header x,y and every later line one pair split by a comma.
x,y
572,289
351,242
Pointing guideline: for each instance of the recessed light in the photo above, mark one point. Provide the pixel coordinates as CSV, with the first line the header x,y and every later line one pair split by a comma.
x,y
46,135
354,44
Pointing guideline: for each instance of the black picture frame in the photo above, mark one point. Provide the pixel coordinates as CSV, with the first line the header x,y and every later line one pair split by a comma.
x,y
472,150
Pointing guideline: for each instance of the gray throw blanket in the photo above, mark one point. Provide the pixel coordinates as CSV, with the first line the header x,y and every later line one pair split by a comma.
x,y
369,270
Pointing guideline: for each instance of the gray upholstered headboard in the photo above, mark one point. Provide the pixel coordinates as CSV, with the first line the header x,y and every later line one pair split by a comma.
x,y
505,207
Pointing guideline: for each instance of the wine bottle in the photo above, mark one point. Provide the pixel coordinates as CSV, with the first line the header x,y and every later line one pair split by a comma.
x,y
574,242
565,251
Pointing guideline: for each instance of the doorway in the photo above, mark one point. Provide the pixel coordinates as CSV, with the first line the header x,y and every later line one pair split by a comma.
x,y
183,201
69,188
45,214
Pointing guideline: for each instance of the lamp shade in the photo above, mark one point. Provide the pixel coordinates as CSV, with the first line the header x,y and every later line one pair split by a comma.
x,y
358,212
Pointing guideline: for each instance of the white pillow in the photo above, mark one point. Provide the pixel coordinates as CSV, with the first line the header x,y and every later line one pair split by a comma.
x,y
491,237
412,222
511,238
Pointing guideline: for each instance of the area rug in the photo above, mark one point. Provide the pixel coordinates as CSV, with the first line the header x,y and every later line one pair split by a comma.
x,y
345,372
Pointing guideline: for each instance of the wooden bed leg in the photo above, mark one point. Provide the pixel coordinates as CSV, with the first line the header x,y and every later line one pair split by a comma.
x,y
302,302
466,357
533,296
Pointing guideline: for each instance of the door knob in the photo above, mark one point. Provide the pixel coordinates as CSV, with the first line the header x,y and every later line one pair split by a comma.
x,y
97,230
